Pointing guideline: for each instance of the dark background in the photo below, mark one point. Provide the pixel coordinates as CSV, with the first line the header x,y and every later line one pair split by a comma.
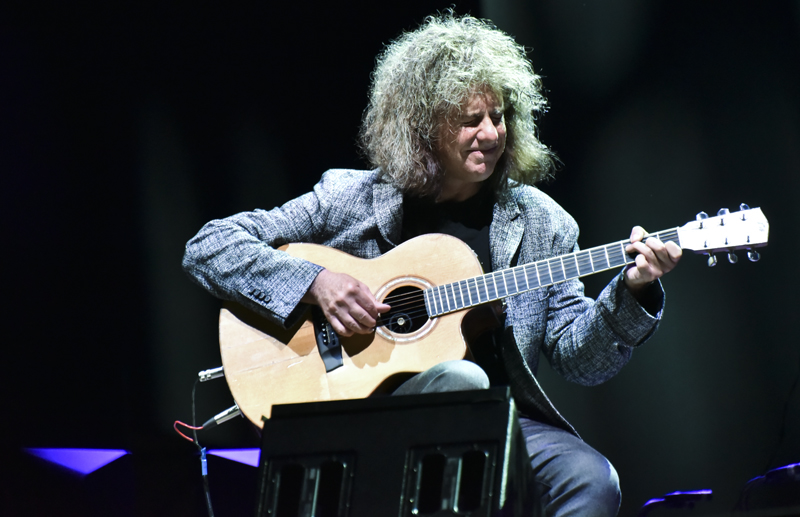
x,y
124,126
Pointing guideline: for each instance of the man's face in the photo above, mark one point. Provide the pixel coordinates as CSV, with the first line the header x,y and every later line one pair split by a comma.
x,y
471,145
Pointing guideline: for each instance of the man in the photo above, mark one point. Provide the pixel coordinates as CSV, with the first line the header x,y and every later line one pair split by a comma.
x,y
450,130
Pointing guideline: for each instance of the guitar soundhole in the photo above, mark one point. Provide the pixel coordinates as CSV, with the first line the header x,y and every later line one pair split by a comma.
x,y
408,312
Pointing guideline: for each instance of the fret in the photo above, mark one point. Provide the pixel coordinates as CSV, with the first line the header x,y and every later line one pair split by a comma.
x,y
671,236
557,276
437,298
549,278
451,297
571,271
525,275
577,270
613,258
598,254
538,279
514,276
498,288
607,259
485,289
583,263
491,292
591,262
502,292
617,257
501,287
469,291
625,257
446,294
461,293
426,297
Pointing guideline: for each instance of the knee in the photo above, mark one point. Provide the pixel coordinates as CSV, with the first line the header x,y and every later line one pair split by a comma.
x,y
594,484
462,375
456,375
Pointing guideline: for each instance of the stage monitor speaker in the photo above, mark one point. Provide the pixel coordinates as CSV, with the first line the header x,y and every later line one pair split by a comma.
x,y
436,455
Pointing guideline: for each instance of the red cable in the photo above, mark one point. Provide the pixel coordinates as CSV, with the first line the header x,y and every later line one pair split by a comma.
x,y
178,422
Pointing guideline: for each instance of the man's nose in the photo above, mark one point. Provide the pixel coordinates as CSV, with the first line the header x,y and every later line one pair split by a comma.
x,y
487,130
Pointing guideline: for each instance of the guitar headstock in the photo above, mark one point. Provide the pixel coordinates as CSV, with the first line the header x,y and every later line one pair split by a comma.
x,y
726,232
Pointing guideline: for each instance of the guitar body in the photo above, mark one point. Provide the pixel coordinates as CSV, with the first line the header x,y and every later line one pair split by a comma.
x,y
266,364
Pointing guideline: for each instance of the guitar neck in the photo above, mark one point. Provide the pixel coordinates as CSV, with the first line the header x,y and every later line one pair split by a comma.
x,y
490,287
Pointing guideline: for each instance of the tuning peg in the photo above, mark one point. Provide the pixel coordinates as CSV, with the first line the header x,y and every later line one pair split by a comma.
x,y
712,260
742,208
721,212
753,255
732,257
700,217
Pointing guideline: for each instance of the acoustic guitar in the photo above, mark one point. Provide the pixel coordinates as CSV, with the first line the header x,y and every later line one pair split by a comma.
x,y
433,283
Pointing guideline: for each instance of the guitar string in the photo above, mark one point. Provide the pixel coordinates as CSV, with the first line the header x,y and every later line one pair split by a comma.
x,y
413,304
569,271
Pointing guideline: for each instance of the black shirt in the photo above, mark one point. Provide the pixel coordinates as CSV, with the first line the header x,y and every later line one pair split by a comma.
x,y
468,220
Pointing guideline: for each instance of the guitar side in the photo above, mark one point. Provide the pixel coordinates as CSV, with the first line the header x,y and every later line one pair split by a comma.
x,y
267,365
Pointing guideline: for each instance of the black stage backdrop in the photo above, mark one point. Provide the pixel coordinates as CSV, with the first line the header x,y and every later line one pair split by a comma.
x,y
127,125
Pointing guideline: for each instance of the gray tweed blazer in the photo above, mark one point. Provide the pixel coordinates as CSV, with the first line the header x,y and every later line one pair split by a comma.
x,y
586,341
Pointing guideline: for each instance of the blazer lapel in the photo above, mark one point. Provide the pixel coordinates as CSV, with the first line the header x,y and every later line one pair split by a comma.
x,y
505,233
387,205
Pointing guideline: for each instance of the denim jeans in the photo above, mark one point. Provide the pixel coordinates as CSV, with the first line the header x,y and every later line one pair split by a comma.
x,y
571,478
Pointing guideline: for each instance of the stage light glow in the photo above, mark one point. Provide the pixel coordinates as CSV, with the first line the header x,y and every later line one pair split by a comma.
x,y
246,456
83,461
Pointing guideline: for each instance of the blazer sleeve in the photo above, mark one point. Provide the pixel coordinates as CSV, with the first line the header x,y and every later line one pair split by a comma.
x,y
236,258
589,341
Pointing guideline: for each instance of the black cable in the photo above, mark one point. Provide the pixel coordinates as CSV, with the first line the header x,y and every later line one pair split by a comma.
x,y
203,460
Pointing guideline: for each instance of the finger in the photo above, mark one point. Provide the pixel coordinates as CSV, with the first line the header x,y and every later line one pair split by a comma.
x,y
644,269
364,318
637,233
675,252
353,325
366,301
642,249
659,251
339,327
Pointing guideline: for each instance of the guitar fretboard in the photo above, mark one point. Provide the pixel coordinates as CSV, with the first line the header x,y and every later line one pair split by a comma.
x,y
490,287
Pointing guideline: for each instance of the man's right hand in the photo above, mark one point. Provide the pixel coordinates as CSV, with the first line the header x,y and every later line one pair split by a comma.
x,y
348,304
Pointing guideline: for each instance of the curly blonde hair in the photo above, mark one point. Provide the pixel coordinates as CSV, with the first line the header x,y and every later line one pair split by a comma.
x,y
422,80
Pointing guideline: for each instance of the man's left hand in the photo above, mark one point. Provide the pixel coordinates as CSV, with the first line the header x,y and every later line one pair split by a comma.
x,y
654,259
